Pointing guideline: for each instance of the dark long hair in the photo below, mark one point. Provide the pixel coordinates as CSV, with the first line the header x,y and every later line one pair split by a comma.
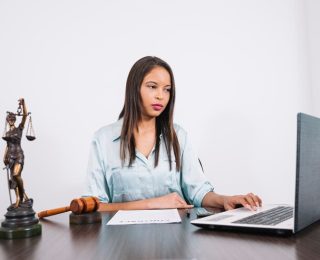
x,y
131,114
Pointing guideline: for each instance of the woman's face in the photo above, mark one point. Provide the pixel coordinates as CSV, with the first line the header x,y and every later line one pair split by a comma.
x,y
11,120
155,92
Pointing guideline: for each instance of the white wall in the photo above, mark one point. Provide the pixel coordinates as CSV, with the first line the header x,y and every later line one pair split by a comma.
x,y
242,72
313,34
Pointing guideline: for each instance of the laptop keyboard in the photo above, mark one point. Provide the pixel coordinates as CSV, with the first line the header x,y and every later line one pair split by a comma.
x,y
269,217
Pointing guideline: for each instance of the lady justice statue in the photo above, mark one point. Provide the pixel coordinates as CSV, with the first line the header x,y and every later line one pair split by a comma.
x,y
20,217
13,156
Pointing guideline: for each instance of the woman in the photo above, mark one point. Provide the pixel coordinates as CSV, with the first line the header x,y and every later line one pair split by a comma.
x,y
144,161
13,156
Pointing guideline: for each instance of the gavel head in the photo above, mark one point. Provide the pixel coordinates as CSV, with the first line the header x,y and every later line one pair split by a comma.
x,y
84,205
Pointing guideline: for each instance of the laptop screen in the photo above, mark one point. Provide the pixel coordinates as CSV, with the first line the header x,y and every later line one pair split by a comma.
x,y
307,206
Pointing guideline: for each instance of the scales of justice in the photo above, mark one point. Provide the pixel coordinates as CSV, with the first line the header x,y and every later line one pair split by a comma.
x,y
20,220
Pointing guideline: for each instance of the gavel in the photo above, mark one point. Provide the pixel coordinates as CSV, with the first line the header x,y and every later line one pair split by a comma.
x,y
77,206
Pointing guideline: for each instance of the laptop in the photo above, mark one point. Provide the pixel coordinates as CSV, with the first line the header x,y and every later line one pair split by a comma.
x,y
280,218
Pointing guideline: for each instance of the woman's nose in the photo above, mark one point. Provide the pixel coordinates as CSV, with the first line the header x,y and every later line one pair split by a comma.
x,y
159,94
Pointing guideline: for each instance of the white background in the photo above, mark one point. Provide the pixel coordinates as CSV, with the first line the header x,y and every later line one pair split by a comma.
x,y
243,70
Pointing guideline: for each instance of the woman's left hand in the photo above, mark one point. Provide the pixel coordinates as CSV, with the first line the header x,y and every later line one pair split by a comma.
x,y
249,201
21,101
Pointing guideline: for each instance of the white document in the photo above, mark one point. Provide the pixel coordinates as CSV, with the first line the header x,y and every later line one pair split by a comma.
x,y
129,217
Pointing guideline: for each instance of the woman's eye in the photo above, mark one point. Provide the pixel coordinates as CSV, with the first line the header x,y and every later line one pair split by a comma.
x,y
168,90
152,86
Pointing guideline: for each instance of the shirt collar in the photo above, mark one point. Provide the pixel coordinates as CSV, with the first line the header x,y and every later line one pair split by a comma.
x,y
116,131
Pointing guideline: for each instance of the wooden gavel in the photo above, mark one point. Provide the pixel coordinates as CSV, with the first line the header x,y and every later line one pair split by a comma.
x,y
77,206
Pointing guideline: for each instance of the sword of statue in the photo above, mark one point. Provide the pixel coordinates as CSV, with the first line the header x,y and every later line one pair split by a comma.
x,y
7,167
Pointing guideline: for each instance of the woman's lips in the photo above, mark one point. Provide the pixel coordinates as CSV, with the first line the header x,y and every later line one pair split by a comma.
x,y
157,107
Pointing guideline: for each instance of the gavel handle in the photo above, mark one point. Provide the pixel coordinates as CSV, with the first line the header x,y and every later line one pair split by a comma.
x,y
50,212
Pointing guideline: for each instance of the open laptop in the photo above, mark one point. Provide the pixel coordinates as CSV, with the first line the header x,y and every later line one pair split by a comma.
x,y
283,219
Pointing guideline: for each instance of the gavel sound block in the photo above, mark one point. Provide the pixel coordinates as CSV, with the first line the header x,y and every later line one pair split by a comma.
x,y
84,211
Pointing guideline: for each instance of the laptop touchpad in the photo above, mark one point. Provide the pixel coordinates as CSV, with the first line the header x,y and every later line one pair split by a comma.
x,y
221,217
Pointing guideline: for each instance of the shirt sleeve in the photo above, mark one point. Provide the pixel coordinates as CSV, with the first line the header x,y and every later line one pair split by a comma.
x,y
96,183
193,181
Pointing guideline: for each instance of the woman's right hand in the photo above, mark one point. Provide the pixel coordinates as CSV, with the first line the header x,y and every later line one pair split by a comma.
x,y
169,201
6,160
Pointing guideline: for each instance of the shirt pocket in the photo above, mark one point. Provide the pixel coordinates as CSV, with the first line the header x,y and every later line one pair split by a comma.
x,y
130,183
168,180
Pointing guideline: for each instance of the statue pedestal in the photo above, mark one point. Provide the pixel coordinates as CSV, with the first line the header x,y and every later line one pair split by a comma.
x,y
20,222
85,218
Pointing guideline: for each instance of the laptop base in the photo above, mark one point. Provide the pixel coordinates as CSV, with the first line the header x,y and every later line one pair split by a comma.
x,y
273,231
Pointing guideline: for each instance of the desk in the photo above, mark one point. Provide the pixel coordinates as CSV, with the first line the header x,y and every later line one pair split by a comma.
x,y
165,241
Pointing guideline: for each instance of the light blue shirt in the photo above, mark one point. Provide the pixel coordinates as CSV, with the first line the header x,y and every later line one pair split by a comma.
x,y
110,182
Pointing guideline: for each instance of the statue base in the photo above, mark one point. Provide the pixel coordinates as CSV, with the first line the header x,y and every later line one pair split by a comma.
x,y
86,218
22,232
20,222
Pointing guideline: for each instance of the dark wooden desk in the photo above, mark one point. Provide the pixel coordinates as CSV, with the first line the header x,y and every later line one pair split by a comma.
x,y
157,241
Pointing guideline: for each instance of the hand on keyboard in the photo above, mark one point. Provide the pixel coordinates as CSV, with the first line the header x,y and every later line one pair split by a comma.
x,y
249,201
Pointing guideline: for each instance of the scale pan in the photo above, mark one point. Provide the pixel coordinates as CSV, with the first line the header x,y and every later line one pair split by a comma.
x,y
30,137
